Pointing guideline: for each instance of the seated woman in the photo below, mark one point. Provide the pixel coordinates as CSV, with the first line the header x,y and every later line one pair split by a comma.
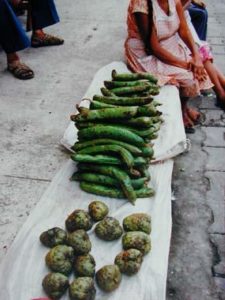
x,y
160,42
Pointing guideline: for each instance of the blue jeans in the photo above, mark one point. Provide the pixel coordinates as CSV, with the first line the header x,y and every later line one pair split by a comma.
x,y
199,19
13,37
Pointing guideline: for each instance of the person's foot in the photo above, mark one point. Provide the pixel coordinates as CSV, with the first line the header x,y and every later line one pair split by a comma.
x,y
188,123
193,114
44,40
20,70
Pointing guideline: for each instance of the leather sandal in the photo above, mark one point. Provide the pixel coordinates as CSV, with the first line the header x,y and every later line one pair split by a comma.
x,y
45,41
20,70
189,130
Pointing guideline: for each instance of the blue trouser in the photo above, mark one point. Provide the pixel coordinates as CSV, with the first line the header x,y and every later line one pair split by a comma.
x,y
199,18
12,36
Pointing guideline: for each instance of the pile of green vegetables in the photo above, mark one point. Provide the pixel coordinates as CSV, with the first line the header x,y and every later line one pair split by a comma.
x,y
69,254
114,146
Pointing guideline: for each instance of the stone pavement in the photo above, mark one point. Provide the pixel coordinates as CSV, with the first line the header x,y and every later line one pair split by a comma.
x,y
35,113
197,258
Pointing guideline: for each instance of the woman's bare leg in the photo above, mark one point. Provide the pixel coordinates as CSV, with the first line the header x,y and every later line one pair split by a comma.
x,y
221,76
188,122
216,78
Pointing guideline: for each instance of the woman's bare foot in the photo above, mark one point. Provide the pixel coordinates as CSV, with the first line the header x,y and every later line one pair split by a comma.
x,y
193,114
188,123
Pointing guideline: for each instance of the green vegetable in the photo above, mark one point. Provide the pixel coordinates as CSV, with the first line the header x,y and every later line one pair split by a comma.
x,y
82,288
110,132
98,210
133,173
121,176
142,133
106,180
123,101
147,151
106,92
105,159
55,285
129,261
60,259
106,113
137,240
125,155
99,105
116,84
115,113
130,90
97,159
133,149
53,237
113,192
137,222
108,278
143,122
80,242
84,266
134,76
144,171
148,111
108,229
78,219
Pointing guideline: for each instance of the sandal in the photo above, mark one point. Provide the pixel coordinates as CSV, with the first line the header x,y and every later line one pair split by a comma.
x,y
189,130
20,70
46,40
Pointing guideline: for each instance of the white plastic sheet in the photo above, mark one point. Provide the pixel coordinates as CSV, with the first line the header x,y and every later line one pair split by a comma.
x,y
23,268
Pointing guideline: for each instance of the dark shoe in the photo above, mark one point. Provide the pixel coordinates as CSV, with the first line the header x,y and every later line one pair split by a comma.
x,y
189,130
20,70
45,41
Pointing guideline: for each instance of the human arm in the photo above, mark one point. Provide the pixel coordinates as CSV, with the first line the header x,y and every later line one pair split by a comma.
x,y
199,3
185,3
186,36
150,40
165,55
142,21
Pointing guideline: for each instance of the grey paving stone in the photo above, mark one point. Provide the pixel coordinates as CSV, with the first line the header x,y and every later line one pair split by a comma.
x,y
208,101
215,198
215,136
213,118
216,159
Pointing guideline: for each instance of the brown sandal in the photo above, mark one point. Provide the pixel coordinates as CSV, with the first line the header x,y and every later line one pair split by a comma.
x,y
46,40
20,70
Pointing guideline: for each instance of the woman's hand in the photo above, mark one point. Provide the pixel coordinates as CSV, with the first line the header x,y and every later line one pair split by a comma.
x,y
199,3
196,66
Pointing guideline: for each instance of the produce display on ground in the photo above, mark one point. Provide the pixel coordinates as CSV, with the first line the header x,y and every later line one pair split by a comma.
x,y
70,252
63,196
115,134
